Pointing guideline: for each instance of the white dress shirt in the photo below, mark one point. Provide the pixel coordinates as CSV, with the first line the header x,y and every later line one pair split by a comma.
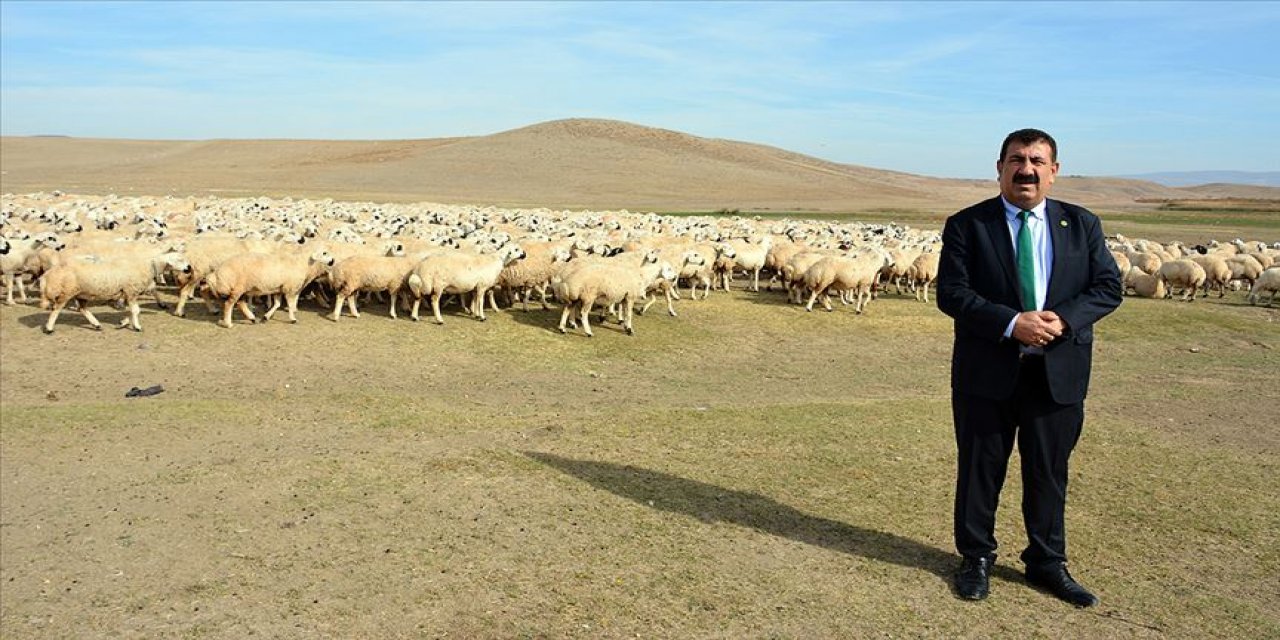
x,y
1038,224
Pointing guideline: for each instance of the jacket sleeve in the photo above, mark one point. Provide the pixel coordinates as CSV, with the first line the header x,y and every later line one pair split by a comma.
x,y
1103,293
974,314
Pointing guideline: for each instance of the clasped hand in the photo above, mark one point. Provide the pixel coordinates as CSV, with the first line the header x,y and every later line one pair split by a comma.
x,y
1037,328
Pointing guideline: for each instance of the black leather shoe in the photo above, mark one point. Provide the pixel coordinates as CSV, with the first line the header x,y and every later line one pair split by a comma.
x,y
1055,579
973,579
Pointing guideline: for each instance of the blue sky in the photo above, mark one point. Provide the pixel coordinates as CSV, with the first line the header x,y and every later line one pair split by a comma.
x,y
927,88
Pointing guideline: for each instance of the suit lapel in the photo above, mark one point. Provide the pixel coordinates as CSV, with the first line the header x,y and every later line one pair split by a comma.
x,y
1058,232
1002,241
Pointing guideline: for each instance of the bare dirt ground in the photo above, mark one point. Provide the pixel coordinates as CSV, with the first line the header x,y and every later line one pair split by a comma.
x,y
744,470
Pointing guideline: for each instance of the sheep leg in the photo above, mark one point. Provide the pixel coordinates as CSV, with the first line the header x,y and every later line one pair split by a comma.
x,y
755,281
812,298
478,302
155,293
671,308
184,292
573,316
337,307
826,300
648,302
275,305
53,315
585,313
247,310
395,301
134,310
84,310
9,283
417,303
628,310
227,306
292,301
435,307
564,317
542,293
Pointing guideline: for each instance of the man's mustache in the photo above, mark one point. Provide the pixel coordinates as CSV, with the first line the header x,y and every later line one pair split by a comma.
x,y
1026,179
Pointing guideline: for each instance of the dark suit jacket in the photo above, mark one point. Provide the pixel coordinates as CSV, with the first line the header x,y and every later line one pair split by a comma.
x,y
978,287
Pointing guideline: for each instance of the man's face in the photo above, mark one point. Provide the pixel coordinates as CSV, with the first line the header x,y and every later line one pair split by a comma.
x,y
1026,172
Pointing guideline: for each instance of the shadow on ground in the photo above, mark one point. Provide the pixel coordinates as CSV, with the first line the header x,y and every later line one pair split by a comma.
x,y
710,503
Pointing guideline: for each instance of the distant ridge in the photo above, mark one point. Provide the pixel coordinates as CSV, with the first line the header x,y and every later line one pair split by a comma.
x,y
1198,178
571,163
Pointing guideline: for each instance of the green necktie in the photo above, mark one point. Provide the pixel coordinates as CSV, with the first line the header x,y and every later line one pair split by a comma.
x,y
1026,264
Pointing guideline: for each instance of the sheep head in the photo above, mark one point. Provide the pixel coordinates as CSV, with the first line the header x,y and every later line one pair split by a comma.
x,y
322,257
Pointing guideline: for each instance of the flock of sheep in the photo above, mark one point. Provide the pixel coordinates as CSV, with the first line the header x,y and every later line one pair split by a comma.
x,y
1154,270
115,250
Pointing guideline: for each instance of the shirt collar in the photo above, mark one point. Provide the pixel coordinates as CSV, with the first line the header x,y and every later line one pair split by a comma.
x,y
1011,211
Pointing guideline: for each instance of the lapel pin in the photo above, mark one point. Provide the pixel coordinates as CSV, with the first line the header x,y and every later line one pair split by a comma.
x,y
1062,222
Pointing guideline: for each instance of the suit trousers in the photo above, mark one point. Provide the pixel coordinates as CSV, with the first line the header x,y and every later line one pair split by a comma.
x,y
1046,433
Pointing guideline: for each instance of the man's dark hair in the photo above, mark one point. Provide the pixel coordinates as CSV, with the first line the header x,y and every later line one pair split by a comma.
x,y
1030,136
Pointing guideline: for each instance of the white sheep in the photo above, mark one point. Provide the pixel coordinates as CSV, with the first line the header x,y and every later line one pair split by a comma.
x,y
459,272
1182,273
1267,281
1148,261
903,258
205,253
261,274
1122,261
522,278
369,273
923,271
15,253
691,259
842,274
794,270
780,252
750,256
1244,268
607,283
702,274
1216,272
1143,283
90,280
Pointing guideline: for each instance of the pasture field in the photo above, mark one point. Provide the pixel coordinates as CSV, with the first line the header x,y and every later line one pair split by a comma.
x,y
746,470
1192,222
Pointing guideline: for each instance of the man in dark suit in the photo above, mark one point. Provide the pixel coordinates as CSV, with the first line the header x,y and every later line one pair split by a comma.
x,y
1024,278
